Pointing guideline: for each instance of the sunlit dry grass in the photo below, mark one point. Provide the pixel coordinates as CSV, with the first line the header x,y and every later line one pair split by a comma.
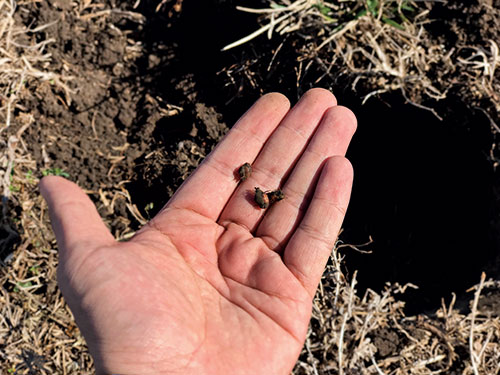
x,y
37,331
348,332
22,62
383,42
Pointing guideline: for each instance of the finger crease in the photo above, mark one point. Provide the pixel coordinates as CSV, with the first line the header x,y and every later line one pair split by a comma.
x,y
334,205
227,223
314,234
272,242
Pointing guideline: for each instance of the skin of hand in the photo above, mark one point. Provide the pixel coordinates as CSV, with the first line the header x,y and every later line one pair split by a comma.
x,y
214,284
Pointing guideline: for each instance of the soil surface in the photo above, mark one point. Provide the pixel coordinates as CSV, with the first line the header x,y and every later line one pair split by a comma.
x,y
152,95
134,119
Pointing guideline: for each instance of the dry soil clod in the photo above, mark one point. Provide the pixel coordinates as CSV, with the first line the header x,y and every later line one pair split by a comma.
x,y
245,171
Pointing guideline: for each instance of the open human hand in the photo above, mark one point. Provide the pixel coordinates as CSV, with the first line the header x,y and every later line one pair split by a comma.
x,y
214,284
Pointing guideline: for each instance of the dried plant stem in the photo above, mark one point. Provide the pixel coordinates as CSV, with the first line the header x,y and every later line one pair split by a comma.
x,y
475,359
256,33
346,317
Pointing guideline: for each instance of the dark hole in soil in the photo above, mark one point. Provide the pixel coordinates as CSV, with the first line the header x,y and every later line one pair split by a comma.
x,y
423,191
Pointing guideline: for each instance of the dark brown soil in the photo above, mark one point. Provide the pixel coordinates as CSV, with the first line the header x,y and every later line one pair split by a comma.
x,y
387,342
134,118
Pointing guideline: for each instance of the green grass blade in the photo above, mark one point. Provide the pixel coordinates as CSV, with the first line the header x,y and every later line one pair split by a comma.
x,y
392,23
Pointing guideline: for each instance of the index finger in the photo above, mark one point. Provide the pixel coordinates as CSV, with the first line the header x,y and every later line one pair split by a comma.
x,y
209,188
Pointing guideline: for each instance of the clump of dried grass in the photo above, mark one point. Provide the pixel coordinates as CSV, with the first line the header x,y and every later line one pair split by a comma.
x,y
382,42
37,331
481,65
38,334
22,61
370,334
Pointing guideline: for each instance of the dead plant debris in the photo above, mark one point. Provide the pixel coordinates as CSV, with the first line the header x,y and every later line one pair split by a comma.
x,y
384,43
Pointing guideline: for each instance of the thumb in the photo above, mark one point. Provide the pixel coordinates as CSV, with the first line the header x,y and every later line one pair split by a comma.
x,y
75,220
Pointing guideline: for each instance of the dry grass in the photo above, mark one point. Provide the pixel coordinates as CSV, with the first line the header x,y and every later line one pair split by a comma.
x,y
482,64
37,331
38,334
370,334
23,63
382,42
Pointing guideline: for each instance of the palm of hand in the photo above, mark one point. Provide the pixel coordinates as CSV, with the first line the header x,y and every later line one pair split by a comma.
x,y
213,284
265,305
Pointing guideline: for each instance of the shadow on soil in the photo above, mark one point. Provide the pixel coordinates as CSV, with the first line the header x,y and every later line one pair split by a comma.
x,y
424,191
